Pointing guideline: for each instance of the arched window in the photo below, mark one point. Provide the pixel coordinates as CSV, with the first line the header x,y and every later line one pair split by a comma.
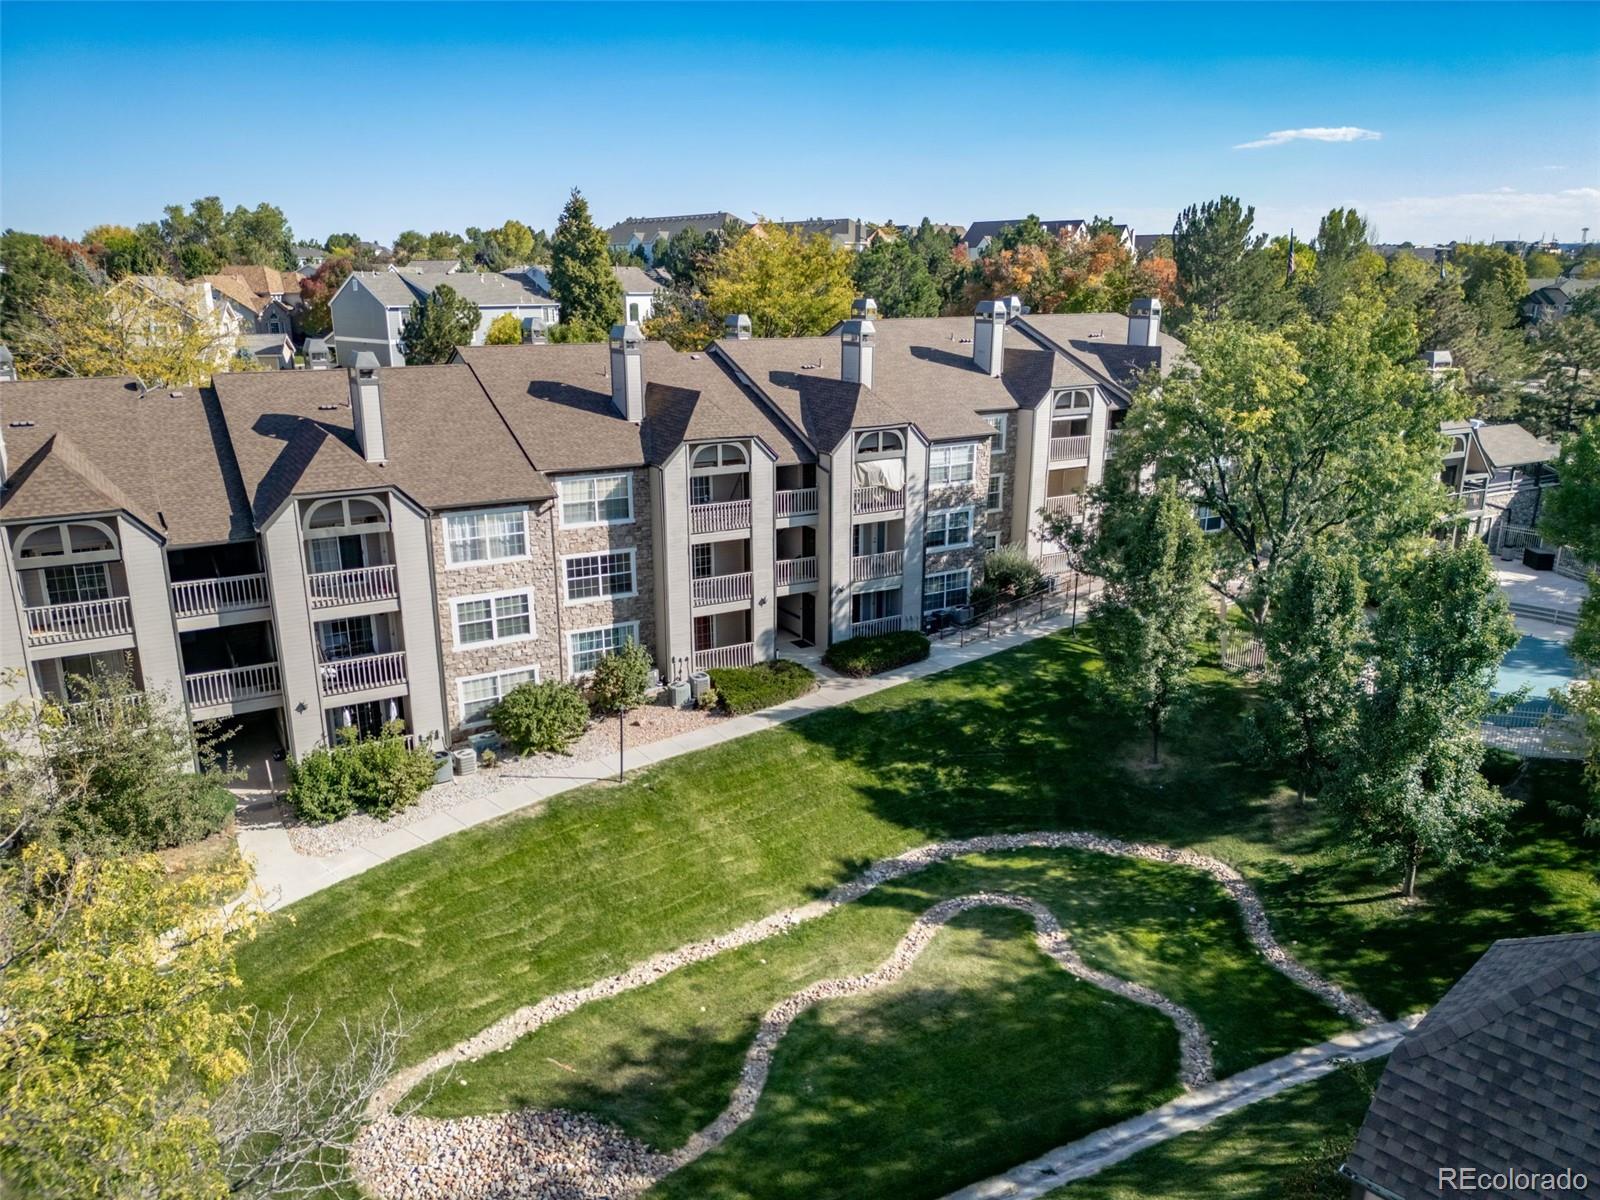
x,y
724,455
1077,402
880,441
65,542
347,514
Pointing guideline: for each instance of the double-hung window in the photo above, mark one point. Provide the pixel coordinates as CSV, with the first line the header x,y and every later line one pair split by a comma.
x,y
486,536
947,589
596,500
588,646
951,464
504,617
949,529
76,583
1000,422
607,576
1210,522
995,500
481,693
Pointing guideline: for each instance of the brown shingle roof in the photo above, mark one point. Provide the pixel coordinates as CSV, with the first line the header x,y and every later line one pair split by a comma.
x,y
1510,445
266,281
99,444
1096,344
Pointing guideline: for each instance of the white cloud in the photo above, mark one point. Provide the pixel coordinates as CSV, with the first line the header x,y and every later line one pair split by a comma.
x,y
1505,212
1335,133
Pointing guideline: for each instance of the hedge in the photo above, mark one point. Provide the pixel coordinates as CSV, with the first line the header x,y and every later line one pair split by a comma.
x,y
872,655
746,689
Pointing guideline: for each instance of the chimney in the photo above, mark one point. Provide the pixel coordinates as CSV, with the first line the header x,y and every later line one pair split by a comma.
x,y
1144,322
627,371
317,356
534,331
989,337
366,406
1014,308
857,338
736,327
864,308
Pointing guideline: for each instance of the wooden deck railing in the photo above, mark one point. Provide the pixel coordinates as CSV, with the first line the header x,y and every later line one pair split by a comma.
x,y
341,675
741,655
880,625
721,589
719,518
876,499
85,620
199,597
358,586
796,502
1064,448
877,566
207,688
796,570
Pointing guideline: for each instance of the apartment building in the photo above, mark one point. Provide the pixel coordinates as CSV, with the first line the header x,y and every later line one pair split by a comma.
x,y
1500,474
319,549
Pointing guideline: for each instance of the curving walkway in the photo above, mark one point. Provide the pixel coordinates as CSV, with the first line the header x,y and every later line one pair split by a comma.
x,y
561,1155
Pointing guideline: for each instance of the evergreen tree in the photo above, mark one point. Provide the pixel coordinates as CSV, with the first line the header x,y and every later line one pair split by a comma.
x,y
581,278
436,325
1211,242
896,276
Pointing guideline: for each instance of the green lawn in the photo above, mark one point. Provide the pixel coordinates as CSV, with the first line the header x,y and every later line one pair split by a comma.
x,y
473,926
1285,1148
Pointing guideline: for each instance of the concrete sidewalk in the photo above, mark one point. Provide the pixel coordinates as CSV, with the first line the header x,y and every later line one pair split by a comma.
x,y
283,875
1195,1110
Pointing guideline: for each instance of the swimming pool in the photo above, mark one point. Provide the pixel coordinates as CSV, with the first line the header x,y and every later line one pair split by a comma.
x,y
1538,664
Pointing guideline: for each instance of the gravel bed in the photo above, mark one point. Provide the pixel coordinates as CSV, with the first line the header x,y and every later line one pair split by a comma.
x,y
598,745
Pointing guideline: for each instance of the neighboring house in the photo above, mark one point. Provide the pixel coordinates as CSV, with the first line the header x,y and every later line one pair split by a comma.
x,y
306,550
1427,254
980,234
274,351
308,257
642,233
431,266
848,233
257,313
1500,473
197,305
1497,1091
1550,299
639,289
1144,244
268,283
371,306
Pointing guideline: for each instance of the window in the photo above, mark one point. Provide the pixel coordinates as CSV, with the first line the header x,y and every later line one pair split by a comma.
x,y
599,576
949,529
633,312
700,555
947,589
348,637
995,499
699,489
596,500
951,464
588,646
724,455
504,617
485,536
880,441
481,693
1210,522
74,584
1001,423
991,542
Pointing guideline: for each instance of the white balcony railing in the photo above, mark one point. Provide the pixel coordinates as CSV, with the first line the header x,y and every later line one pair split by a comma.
x,y
1064,506
83,621
796,570
741,655
199,597
879,626
1064,448
877,566
796,502
876,499
719,518
358,586
341,675
207,688
721,589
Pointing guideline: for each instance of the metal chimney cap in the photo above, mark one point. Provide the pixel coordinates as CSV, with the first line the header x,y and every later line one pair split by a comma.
x,y
1145,304
628,336
864,307
858,330
989,310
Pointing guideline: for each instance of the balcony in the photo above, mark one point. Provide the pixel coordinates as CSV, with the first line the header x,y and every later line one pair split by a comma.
x,y
723,517
211,688
1064,506
792,571
86,620
359,586
796,502
203,597
721,589
878,627
1065,449
741,655
364,673
864,567
877,499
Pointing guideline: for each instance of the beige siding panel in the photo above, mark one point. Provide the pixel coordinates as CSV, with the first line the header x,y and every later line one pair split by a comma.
x,y
145,562
16,680
418,623
291,619
763,536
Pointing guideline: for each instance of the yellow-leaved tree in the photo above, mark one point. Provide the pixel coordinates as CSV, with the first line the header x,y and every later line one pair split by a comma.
x,y
788,285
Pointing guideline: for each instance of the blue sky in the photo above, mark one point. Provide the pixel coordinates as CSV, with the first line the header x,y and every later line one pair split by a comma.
x,y
1476,120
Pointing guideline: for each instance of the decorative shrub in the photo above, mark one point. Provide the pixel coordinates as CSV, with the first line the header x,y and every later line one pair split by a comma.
x,y
1499,766
488,760
620,679
709,700
379,775
872,655
746,689
1007,573
319,786
537,718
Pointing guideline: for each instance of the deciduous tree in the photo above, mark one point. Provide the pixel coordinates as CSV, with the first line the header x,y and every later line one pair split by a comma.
x,y
319,288
788,285
436,325
504,330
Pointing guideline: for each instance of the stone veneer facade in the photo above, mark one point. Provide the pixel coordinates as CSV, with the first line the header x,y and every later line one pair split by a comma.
x,y
962,495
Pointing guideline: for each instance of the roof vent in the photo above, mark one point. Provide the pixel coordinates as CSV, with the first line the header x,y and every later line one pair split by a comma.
x,y
21,424
328,407
175,395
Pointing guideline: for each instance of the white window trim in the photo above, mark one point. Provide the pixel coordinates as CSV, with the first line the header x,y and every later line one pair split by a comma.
x,y
991,541
1001,480
967,571
461,699
527,538
967,451
561,499
455,618
971,522
997,444
633,570
572,650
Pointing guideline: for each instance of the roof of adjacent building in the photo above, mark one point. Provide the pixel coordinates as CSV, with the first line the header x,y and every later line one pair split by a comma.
x,y
1096,345
636,279
265,281
1143,243
274,342
647,229
1503,1073
307,250
486,289
1510,445
440,266
293,433
556,399
236,289
979,230
96,445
